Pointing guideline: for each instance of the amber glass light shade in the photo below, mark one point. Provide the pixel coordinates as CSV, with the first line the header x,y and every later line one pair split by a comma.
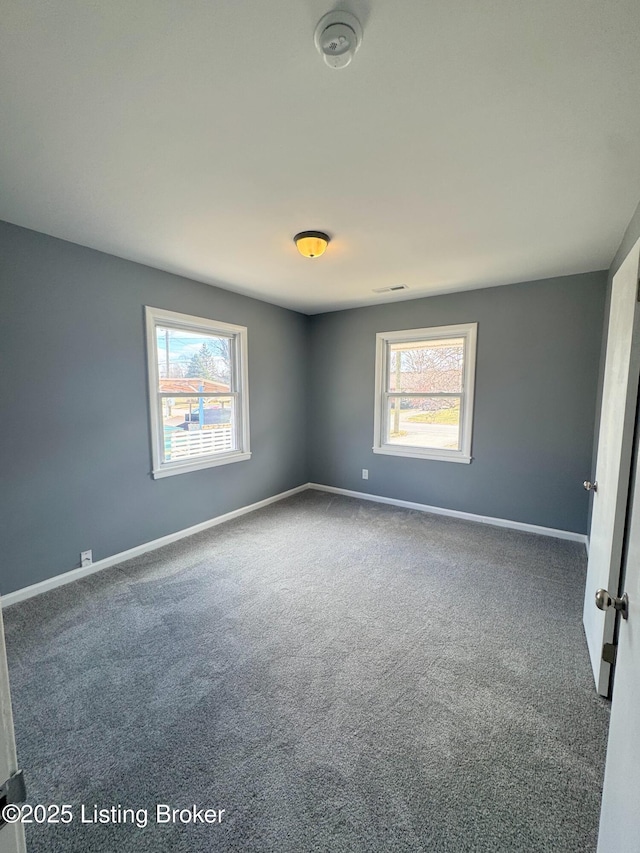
x,y
311,244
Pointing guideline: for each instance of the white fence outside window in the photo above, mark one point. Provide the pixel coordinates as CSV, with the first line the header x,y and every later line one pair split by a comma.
x,y
183,444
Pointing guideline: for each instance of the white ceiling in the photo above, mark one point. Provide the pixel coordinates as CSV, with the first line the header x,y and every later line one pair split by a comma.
x,y
470,143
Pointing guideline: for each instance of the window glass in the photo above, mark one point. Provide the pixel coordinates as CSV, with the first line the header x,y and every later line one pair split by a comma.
x,y
424,392
199,399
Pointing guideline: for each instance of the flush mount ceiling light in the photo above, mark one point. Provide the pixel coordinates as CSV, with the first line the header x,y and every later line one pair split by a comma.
x,y
337,38
311,244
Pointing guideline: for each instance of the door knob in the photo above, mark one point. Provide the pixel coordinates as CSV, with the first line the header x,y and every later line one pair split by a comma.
x,y
589,486
604,600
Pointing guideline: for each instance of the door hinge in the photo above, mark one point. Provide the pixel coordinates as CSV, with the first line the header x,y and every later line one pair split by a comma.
x,y
12,792
609,652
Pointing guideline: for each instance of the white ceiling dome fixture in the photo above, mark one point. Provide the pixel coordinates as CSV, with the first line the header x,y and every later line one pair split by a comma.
x,y
338,37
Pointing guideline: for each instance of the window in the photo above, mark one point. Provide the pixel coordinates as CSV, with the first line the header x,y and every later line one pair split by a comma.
x,y
198,398
424,392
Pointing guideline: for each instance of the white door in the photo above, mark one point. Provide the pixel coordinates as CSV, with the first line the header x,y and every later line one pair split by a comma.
x,y
619,395
11,835
620,816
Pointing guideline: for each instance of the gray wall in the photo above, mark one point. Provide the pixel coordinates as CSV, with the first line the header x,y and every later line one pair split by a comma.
x,y
536,383
75,452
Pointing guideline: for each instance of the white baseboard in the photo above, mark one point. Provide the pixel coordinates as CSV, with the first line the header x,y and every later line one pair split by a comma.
x,y
84,571
76,574
468,516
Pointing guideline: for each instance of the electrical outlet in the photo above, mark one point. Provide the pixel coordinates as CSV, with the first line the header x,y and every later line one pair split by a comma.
x,y
86,557
365,473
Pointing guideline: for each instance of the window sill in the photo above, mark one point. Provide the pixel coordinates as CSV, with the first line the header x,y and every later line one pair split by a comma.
x,y
417,453
169,469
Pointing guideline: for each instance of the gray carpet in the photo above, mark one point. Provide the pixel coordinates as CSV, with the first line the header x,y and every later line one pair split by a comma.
x,y
337,675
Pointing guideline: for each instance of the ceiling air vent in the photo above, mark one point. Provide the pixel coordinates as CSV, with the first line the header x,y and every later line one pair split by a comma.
x,y
392,289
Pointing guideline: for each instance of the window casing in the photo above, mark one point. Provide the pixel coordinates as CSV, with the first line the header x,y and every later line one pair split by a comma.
x,y
424,392
198,392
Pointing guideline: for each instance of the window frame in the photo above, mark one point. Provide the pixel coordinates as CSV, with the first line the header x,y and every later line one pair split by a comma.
x,y
467,331
155,317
